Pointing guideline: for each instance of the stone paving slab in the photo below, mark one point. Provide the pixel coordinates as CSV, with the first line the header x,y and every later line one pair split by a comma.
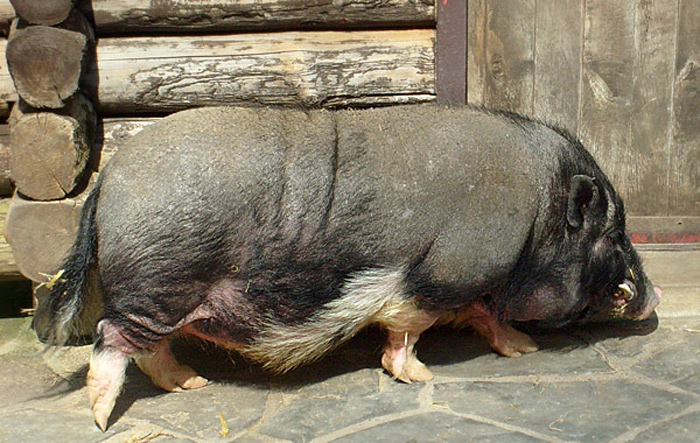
x,y
625,382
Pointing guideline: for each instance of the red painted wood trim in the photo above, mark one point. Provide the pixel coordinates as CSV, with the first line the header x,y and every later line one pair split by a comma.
x,y
664,237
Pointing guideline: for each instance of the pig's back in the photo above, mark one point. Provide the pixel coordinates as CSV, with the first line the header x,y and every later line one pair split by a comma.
x,y
453,189
274,193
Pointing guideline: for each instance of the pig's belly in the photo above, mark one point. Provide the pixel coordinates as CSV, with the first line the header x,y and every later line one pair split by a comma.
x,y
217,335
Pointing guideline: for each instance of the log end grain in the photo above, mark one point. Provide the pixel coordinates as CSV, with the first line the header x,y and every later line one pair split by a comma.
x,y
41,234
46,64
44,12
48,155
49,151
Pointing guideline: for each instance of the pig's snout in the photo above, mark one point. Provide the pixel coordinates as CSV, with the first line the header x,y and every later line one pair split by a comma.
x,y
651,304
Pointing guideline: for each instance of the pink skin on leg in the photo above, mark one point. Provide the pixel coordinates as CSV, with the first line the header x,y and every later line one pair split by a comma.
x,y
104,381
502,337
108,365
160,364
399,357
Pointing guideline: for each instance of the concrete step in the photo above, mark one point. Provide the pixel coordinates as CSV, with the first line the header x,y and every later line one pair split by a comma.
x,y
676,269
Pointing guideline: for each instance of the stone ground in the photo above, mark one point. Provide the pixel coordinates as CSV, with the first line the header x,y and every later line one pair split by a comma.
x,y
607,382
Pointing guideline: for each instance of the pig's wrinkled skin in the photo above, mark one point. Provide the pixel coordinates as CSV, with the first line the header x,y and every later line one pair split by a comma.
x,y
281,233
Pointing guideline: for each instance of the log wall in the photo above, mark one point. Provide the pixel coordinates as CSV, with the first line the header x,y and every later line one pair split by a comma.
x,y
112,17
324,68
622,75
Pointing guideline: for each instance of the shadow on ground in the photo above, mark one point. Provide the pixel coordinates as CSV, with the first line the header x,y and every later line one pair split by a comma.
x,y
439,347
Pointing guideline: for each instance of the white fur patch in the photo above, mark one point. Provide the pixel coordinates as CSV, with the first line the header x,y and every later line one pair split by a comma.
x,y
371,296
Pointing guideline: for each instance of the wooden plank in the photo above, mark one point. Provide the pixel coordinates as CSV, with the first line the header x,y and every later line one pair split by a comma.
x,y
557,62
685,155
451,81
7,88
648,153
185,16
509,78
664,229
476,51
607,91
330,68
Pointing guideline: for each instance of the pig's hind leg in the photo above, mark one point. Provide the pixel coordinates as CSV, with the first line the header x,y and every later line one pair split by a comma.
x,y
104,381
110,358
108,363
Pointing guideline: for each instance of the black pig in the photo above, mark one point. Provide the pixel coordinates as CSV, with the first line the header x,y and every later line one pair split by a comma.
x,y
282,233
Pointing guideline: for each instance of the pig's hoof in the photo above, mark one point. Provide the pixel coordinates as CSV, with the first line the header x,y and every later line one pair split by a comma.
x,y
510,342
173,378
415,370
104,381
407,370
166,372
102,398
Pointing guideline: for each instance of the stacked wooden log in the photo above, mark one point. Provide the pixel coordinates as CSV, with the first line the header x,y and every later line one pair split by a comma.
x,y
152,58
7,95
52,127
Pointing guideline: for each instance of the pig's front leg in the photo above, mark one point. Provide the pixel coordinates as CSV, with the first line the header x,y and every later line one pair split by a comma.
x,y
404,327
502,337
160,364
400,359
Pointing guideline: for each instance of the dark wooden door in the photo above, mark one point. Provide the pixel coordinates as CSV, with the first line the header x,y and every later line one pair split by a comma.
x,y
623,75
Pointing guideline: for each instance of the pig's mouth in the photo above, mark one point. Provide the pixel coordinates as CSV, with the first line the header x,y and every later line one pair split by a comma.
x,y
626,304
626,292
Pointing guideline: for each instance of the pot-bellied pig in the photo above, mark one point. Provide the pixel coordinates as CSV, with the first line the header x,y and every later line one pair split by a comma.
x,y
281,233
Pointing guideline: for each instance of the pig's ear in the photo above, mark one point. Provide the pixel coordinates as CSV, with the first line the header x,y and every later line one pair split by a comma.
x,y
583,195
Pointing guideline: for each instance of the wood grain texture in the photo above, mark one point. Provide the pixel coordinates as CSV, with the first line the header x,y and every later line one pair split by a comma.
x,y
647,189
685,153
476,51
44,12
47,63
295,68
509,75
113,17
49,150
7,87
41,233
7,14
8,266
451,69
607,93
557,64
